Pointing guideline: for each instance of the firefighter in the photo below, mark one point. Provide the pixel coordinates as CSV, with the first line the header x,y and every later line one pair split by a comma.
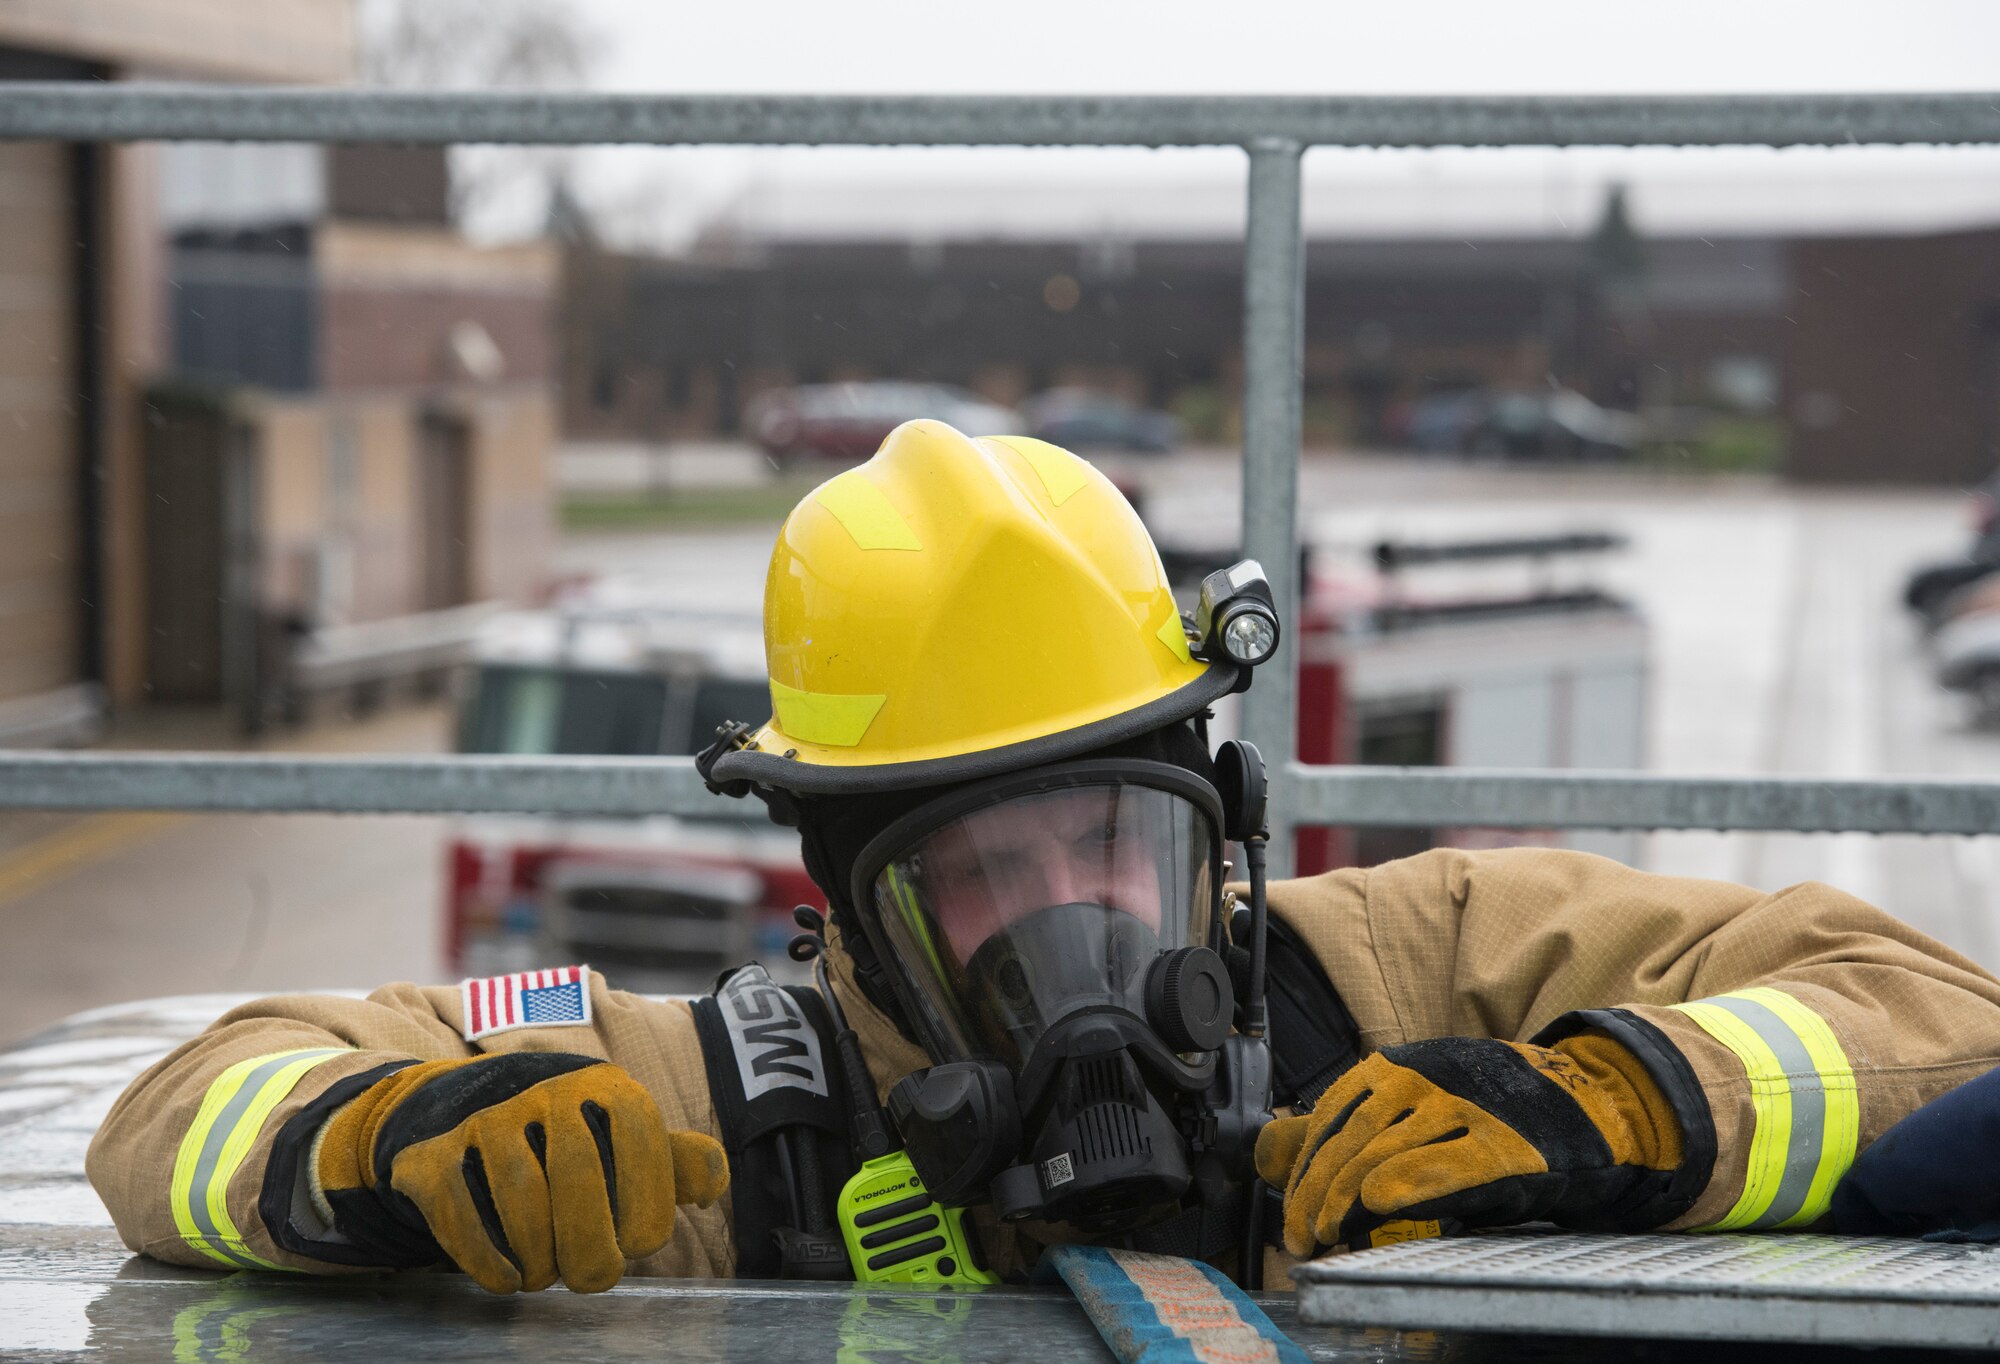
x,y
989,727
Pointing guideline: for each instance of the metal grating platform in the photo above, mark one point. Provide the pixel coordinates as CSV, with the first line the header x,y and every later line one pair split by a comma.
x,y
1802,1288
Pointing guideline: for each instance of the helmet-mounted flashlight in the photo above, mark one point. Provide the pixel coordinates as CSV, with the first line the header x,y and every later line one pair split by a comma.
x,y
1236,617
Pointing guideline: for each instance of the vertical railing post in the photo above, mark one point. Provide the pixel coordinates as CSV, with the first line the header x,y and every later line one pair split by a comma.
x,y
1273,380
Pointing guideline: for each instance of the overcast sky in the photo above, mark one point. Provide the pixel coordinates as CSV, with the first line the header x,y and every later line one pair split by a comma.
x,y
1288,47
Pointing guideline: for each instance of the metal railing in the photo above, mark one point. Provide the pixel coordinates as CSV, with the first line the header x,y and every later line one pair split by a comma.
x,y
1274,133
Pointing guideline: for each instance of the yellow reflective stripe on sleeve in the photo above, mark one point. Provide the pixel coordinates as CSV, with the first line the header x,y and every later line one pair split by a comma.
x,y
1841,1135
226,1126
1771,1108
1804,1107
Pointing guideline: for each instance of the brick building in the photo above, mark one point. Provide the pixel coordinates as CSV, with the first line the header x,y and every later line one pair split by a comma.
x,y
1881,353
658,348
1893,372
81,329
364,395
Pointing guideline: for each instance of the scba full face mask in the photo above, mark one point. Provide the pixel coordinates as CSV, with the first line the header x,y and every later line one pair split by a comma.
x,y
1053,938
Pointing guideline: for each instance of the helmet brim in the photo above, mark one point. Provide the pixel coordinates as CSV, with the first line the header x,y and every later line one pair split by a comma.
x,y
812,779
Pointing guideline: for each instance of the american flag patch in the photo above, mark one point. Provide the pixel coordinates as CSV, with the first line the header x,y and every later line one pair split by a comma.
x,y
556,998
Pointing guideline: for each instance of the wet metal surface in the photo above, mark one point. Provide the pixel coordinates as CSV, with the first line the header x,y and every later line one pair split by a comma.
x,y
69,1290
1794,1288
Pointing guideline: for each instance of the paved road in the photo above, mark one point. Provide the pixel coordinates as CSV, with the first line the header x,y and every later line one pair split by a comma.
x,y
1777,647
105,908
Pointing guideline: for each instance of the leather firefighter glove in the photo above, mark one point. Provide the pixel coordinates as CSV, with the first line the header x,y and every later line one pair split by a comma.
x,y
1477,1131
520,1168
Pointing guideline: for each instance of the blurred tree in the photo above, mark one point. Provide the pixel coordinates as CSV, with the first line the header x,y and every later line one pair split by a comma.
x,y
1618,253
1624,335
485,45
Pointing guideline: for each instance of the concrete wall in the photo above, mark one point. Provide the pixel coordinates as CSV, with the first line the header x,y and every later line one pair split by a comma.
x,y
269,40
39,541
513,508
393,295
135,346
81,229
340,513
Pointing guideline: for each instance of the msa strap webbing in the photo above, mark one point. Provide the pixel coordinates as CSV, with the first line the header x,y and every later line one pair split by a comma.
x,y
1158,1309
1314,1040
783,1110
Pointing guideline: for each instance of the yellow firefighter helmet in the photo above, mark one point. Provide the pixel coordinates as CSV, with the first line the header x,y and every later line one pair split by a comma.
x,y
958,608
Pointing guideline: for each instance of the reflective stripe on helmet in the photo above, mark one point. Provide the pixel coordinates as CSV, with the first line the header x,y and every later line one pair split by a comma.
x,y
232,1114
819,717
1173,634
1061,472
1806,1109
865,512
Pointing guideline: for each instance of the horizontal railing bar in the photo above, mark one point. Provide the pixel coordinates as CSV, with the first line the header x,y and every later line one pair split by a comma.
x,y
133,111
262,783
1504,799
1418,798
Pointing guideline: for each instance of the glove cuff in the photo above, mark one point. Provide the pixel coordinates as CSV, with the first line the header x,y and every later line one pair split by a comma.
x,y
314,1188
294,1202
349,1191
1673,1193
344,1151
1625,1103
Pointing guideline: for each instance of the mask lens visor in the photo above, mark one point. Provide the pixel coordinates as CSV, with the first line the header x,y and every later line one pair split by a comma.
x,y
1013,915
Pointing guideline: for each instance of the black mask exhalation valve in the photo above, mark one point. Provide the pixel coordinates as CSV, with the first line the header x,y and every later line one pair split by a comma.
x,y
1101,1149
1093,1143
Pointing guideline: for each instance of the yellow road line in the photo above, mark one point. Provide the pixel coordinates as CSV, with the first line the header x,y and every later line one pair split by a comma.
x,y
54,856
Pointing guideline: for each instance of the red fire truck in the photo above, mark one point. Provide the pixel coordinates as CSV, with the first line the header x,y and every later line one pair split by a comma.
x,y
657,904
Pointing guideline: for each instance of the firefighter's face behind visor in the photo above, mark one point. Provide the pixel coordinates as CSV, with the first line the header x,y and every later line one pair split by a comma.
x,y
1004,918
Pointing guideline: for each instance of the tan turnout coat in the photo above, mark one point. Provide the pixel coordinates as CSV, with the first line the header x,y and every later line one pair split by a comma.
x,y
1813,1022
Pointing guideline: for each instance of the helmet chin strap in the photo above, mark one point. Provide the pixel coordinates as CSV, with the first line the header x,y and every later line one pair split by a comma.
x,y
872,976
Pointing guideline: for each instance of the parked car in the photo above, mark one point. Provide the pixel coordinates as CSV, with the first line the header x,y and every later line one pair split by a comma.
x,y
1083,419
848,422
1553,424
1939,591
1967,650
1444,423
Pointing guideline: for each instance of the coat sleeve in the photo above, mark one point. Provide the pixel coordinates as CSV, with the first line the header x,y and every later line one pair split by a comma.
x,y
201,1160
1789,1030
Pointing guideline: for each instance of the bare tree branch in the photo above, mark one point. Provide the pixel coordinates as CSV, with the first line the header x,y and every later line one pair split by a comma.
x,y
483,45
